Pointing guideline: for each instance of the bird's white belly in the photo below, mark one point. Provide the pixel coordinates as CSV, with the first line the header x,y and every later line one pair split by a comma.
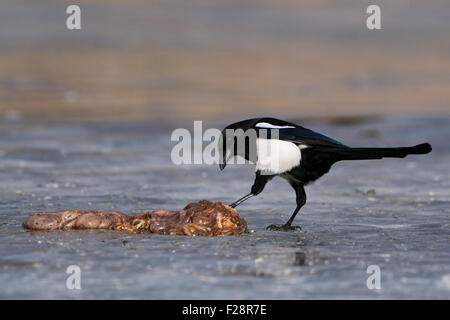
x,y
276,156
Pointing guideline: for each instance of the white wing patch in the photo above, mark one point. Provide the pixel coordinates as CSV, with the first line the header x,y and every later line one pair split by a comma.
x,y
271,126
277,156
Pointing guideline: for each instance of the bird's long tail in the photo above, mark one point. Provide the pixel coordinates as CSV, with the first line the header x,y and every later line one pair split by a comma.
x,y
378,153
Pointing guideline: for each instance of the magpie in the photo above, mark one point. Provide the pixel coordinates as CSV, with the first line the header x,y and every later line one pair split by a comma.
x,y
297,154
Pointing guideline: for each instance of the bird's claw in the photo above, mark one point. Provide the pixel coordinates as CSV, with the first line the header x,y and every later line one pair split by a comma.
x,y
274,227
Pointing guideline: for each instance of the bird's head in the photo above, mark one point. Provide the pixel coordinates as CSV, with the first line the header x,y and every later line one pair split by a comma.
x,y
238,139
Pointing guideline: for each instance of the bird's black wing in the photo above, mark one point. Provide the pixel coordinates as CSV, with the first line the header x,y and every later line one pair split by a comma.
x,y
287,131
301,135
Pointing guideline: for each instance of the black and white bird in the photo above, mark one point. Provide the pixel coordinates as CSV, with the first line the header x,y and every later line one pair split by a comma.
x,y
295,153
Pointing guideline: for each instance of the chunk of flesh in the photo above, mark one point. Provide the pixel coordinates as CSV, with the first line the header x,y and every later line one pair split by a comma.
x,y
203,218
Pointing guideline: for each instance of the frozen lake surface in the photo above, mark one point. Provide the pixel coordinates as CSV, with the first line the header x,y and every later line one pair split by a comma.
x,y
392,213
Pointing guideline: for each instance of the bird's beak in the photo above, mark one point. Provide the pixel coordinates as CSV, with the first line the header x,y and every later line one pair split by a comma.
x,y
224,154
223,160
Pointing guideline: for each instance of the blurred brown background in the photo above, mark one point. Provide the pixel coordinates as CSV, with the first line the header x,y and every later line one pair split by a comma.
x,y
181,60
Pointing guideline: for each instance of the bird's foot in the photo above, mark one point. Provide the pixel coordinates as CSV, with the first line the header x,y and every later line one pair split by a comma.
x,y
284,227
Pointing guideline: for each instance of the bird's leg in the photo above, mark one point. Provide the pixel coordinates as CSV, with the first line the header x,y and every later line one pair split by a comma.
x,y
288,224
258,186
238,202
301,200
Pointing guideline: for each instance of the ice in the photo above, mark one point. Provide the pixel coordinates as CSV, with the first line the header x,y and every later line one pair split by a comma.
x,y
405,230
